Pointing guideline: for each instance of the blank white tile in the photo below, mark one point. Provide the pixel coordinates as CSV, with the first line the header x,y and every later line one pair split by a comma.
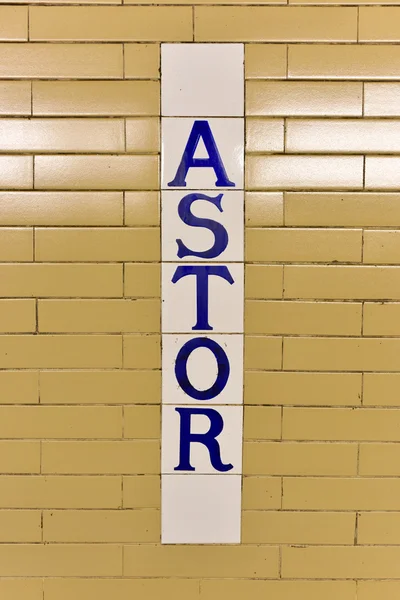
x,y
200,509
201,238
228,135
202,80
202,369
225,300
229,440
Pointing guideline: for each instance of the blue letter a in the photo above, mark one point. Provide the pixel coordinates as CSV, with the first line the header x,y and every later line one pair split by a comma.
x,y
201,130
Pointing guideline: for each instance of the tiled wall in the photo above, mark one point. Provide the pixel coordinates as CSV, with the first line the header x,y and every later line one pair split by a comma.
x,y
80,310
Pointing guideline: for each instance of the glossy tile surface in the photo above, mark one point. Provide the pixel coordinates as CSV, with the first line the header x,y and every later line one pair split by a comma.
x,y
228,137
202,80
225,208
203,369
201,508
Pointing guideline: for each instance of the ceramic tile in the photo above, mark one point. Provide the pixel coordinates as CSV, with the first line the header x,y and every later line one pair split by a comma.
x,y
227,135
216,445
203,80
225,299
206,369
204,225
201,509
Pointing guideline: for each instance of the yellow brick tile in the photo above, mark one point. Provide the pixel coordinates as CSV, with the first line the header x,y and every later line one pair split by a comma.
x,y
19,457
381,247
342,209
16,172
261,493
298,172
341,424
273,24
352,283
270,527
60,422
264,135
13,23
277,458
98,316
263,209
142,61
58,351
382,99
265,61
101,526
262,352
123,589
303,98
15,98
323,493
341,354
344,62
142,352
381,319
19,387
142,422
314,389
61,208
17,316
61,135
303,245
379,459
347,135
65,61
279,590
95,172
16,245
60,492
262,423
92,98
378,528
319,318
142,491
99,387
342,562
60,280
58,560
14,589
378,24
116,23
95,457
142,208
381,389
376,589
111,244
19,526
371,590
143,135
263,281
142,281
201,561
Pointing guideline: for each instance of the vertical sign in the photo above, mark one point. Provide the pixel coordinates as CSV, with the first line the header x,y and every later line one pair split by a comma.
x,y
202,108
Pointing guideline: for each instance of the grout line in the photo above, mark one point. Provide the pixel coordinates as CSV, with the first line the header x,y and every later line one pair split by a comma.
x,y
358,24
